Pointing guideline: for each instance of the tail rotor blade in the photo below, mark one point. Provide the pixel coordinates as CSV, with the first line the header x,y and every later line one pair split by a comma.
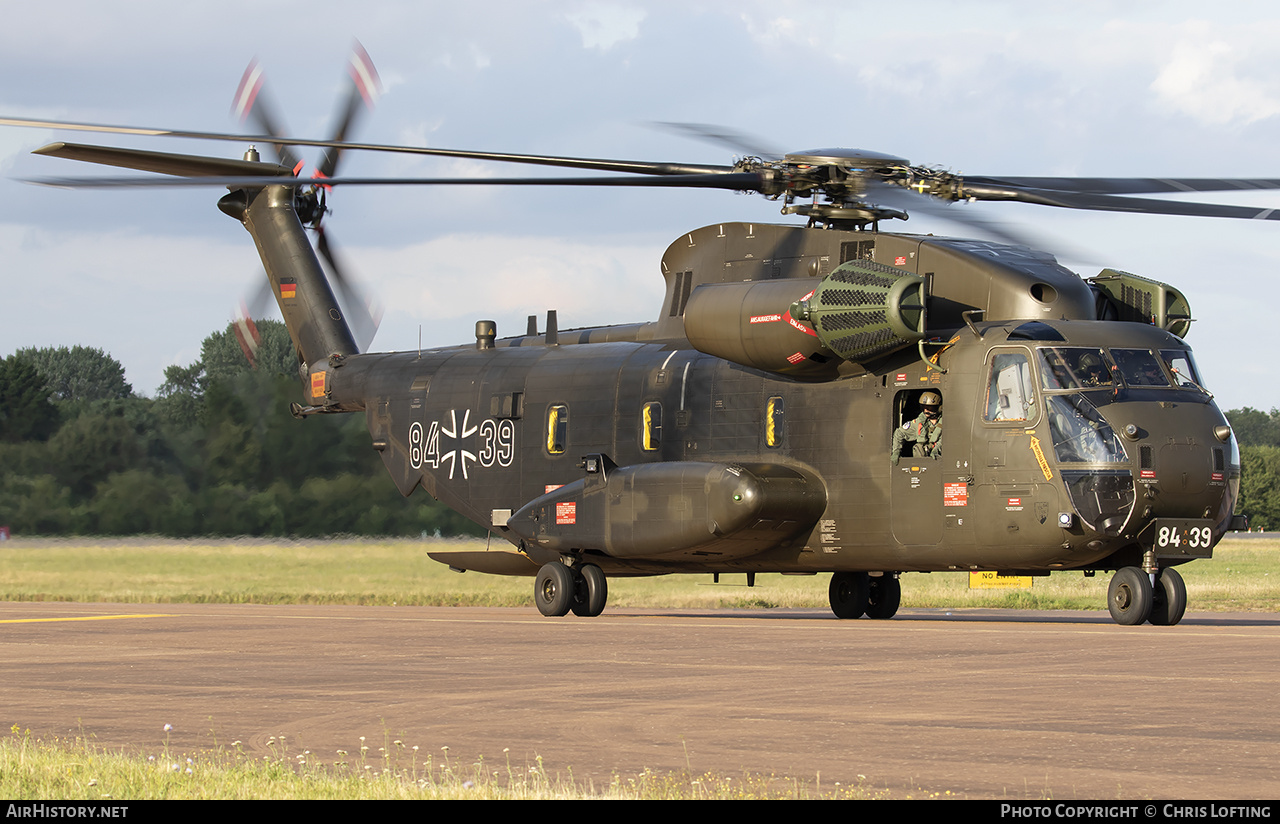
x,y
259,304
247,335
252,104
365,88
364,315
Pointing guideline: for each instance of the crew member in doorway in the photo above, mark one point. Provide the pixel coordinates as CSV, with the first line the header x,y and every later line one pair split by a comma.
x,y
924,433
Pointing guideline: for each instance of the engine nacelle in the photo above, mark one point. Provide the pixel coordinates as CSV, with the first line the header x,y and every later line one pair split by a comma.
x,y
865,310
750,323
859,312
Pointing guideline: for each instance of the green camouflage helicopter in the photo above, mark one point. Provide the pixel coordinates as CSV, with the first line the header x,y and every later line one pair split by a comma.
x,y
817,398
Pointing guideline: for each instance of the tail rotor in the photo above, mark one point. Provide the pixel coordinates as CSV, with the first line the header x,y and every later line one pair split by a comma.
x,y
253,105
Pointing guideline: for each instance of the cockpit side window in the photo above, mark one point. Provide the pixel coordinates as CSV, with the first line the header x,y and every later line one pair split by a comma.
x,y
1182,367
1010,392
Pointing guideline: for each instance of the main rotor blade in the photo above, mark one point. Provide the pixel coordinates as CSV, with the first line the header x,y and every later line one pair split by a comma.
x,y
741,142
741,182
597,164
1112,203
1128,185
910,201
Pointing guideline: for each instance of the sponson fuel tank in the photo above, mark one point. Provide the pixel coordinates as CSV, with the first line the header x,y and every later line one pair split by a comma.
x,y
673,509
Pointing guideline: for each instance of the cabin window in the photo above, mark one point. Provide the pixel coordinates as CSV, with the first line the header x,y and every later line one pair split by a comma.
x,y
557,428
651,426
775,424
1010,394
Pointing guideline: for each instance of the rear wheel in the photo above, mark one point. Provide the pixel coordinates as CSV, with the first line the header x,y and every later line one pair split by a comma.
x,y
848,594
553,589
1129,597
591,591
884,594
1169,599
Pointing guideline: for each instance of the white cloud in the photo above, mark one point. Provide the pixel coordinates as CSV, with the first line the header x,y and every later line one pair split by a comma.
x,y
604,25
1209,82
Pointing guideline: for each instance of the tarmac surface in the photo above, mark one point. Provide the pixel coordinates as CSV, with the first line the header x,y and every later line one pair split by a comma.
x,y
980,703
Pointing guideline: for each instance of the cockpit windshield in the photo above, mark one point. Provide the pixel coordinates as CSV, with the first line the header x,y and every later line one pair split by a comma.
x,y
1079,433
1074,367
1138,367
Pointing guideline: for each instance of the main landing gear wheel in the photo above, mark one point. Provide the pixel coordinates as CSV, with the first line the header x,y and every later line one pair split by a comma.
x,y
1129,597
591,591
1169,599
884,593
848,594
553,589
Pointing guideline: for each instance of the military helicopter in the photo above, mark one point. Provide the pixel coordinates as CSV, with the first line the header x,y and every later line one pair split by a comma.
x,y
818,398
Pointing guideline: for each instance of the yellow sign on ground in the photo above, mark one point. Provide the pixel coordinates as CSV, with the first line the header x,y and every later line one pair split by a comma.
x,y
994,580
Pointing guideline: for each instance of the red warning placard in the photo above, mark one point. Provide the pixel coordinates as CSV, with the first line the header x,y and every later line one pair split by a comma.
x,y
955,494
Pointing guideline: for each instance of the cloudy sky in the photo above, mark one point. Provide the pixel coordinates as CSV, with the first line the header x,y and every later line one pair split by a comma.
x,y
1089,88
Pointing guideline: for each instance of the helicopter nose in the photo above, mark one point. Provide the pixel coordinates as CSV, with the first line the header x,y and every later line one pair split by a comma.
x,y
1182,467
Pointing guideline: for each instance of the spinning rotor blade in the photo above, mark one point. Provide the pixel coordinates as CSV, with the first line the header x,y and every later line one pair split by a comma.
x,y
908,200
1113,203
251,104
741,142
1127,185
364,315
365,88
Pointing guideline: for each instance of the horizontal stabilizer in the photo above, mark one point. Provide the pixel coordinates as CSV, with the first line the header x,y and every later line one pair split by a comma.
x,y
163,162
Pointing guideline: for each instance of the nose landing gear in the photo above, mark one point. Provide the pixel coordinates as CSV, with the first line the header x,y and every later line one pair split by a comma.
x,y
1132,599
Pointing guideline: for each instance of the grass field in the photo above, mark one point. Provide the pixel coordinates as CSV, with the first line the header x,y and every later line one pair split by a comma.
x,y
386,769
148,570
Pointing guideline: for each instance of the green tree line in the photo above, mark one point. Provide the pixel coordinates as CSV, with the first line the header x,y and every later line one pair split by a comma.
x,y
1259,436
215,453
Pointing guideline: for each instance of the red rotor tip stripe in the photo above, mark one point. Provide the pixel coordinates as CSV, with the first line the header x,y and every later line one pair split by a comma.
x,y
248,90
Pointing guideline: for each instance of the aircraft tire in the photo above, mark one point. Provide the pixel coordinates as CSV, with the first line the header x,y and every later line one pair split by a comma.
x,y
553,589
884,594
1169,599
591,592
1129,596
848,594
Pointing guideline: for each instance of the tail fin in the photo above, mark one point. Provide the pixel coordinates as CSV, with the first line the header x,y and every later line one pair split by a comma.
x,y
311,311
